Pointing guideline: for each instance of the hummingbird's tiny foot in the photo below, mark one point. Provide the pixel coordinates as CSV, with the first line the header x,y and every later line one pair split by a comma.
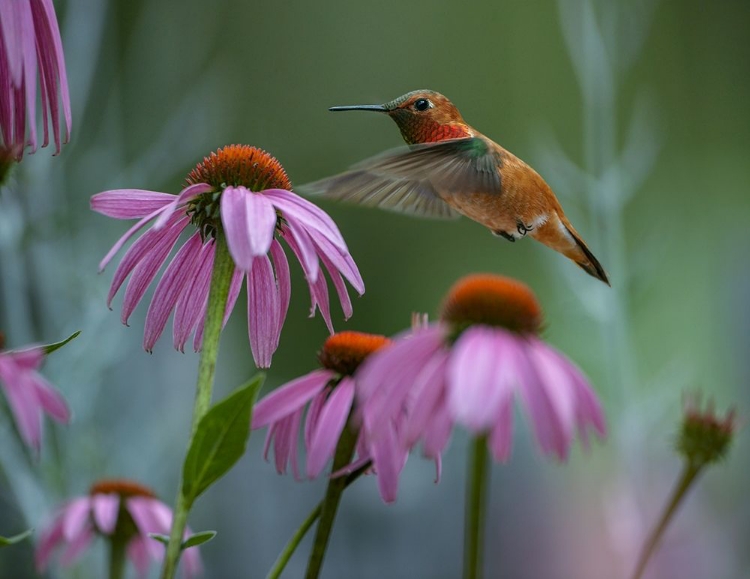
x,y
504,234
522,228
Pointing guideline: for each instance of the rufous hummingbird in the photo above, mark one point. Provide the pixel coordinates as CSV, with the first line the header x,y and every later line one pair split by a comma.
x,y
450,168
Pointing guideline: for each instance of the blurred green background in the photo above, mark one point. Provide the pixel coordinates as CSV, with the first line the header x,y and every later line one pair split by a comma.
x,y
636,113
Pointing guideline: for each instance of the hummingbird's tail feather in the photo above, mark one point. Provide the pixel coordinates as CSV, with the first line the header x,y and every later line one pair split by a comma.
x,y
582,255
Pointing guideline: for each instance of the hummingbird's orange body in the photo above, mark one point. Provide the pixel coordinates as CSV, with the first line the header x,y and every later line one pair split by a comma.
x,y
452,168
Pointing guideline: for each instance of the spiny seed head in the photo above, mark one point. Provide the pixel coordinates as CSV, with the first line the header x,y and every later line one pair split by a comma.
x,y
704,437
122,487
240,166
492,300
345,351
232,166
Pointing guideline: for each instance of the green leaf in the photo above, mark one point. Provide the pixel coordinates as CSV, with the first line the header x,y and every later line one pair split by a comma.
x,y
6,541
198,539
219,441
161,538
49,348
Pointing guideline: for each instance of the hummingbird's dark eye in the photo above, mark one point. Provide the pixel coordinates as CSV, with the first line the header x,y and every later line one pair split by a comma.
x,y
422,104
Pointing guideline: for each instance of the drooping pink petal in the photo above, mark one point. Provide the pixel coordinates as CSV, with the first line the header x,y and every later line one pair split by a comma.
x,y
30,358
23,401
500,440
105,508
146,270
140,224
342,261
338,283
138,554
235,285
480,374
438,431
150,516
191,563
129,203
428,390
134,255
294,422
262,311
50,400
330,424
309,215
388,460
290,397
282,443
49,540
249,221
386,376
283,281
175,280
302,246
77,546
192,301
56,54
313,414
547,424
76,517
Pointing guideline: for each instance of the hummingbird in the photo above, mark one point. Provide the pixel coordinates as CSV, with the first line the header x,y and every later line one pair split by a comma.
x,y
450,169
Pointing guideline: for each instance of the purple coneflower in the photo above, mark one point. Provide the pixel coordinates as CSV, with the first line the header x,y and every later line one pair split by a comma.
x,y
467,369
124,513
242,193
29,394
30,47
329,393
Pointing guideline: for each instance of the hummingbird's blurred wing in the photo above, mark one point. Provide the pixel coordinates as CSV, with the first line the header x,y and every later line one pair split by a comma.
x,y
416,179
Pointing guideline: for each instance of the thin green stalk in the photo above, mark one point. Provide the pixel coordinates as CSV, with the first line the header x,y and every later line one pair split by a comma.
x,y
336,486
117,557
476,497
299,534
689,475
217,300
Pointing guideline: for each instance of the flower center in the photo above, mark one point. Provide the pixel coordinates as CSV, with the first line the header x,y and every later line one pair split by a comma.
x,y
495,301
123,487
704,437
232,166
345,351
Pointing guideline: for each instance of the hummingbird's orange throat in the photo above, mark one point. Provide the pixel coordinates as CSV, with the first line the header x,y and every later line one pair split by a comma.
x,y
417,130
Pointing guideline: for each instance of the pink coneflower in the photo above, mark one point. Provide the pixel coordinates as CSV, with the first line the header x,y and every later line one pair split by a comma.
x,y
123,512
29,394
467,368
329,393
243,194
30,47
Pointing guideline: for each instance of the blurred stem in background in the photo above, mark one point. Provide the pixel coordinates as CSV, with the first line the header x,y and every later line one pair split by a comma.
x,y
300,533
476,500
704,440
217,301
117,557
336,485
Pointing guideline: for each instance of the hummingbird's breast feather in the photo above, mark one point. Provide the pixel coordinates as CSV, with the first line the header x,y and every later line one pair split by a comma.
x,y
522,198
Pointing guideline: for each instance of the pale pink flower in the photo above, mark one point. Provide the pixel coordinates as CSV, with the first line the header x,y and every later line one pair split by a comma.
x,y
244,192
29,394
468,368
328,396
31,49
118,510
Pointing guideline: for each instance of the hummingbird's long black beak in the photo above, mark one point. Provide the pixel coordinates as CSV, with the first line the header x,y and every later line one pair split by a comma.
x,y
376,108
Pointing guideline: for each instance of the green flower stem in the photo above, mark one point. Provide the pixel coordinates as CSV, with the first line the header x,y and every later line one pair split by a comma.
x,y
689,475
476,495
117,557
221,278
300,533
336,486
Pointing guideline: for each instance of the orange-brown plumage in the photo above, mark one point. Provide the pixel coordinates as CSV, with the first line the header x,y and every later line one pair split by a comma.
x,y
451,168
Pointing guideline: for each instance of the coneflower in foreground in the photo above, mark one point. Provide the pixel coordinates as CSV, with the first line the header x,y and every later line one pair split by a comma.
x,y
467,369
328,395
242,194
31,49
124,513
29,394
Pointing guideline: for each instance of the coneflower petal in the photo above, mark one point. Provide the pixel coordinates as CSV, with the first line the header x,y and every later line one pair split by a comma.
x,y
330,424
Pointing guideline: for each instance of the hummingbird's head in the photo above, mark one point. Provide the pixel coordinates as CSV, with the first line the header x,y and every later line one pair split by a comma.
x,y
423,116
